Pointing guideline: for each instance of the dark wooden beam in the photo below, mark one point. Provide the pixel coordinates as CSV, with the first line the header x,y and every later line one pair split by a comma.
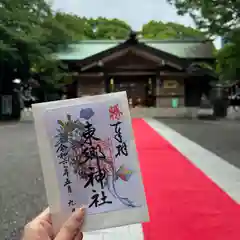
x,y
138,73
130,68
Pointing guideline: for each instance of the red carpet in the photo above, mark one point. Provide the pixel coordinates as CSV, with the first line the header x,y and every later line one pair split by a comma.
x,y
184,204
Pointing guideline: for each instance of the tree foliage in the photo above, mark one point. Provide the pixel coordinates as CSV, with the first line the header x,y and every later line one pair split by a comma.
x,y
228,62
109,28
228,57
170,30
30,34
217,18
99,28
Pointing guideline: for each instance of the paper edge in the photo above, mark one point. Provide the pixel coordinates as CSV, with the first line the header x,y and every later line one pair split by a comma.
x,y
48,166
133,215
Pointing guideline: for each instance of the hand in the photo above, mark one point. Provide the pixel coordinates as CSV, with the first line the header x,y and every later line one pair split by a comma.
x,y
41,227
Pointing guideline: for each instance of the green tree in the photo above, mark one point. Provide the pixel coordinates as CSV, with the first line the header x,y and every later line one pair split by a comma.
x,y
109,28
160,30
228,62
78,28
56,34
82,28
215,17
29,35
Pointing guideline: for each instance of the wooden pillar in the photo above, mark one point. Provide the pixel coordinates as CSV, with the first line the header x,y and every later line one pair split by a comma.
x,y
106,78
158,86
151,92
107,82
72,89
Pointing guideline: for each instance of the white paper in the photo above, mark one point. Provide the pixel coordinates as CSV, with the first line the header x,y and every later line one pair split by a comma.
x,y
91,148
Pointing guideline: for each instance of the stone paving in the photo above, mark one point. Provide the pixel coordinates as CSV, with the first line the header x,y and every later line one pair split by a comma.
x,y
221,137
22,193
180,112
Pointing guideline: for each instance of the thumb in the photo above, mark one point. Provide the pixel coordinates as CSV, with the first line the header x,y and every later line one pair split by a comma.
x,y
72,226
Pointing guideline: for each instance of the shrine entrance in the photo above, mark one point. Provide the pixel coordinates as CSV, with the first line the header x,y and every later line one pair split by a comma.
x,y
140,89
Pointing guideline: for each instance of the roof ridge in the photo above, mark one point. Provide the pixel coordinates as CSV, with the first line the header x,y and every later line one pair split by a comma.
x,y
107,41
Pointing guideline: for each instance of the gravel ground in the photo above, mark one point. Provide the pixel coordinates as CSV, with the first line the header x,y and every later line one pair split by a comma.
x,y
221,137
22,193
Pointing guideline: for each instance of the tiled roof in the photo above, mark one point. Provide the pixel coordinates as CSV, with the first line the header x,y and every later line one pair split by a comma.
x,y
182,48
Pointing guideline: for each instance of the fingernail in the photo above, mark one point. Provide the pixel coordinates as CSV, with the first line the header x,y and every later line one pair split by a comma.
x,y
79,214
83,206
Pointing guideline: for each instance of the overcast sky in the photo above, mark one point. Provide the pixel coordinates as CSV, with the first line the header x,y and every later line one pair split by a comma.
x,y
134,12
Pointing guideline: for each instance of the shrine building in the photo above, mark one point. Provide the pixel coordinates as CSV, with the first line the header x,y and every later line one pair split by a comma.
x,y
152,72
